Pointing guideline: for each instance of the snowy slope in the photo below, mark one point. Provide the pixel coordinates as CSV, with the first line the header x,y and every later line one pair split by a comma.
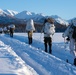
x,y
33,55
11,63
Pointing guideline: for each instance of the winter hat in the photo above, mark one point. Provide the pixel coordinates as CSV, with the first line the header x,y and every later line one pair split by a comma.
x,y
51,20
12,26
74,22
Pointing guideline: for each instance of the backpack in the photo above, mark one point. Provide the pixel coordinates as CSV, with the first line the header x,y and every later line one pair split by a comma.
x,y
49,29
74,33
30,25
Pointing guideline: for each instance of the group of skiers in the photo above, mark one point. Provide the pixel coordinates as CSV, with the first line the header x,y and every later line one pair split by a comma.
x,y
8,30
49,30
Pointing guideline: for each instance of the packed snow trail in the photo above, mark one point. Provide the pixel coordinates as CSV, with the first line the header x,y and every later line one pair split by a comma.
x,y
11,64
58,48
19,48
43,63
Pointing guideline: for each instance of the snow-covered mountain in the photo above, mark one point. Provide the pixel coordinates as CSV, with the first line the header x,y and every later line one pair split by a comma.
x,y
20,18
27,15
11,12
60,20
7,17
24,15
70,20
39,17
7,12
3,13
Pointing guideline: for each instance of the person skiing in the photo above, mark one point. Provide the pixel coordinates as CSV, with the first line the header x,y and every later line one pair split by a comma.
x,y
71,36
30,29
49,30
11,29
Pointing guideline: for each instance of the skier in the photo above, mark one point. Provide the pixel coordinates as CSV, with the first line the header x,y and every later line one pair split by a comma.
x,y
5,30
49,30
70,33
30,29
11,29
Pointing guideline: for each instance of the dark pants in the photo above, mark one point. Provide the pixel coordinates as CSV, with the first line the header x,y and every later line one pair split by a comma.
x,y
48,42
30,40
30,37
11,32
75,61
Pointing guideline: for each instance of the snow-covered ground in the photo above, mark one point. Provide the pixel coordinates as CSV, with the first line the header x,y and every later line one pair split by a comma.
x,y
17,57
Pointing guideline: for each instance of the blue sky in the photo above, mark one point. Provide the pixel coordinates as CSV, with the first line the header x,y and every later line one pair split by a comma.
x,y
66,9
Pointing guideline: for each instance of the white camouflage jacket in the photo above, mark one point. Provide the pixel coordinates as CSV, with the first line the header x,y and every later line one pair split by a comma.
x,y
49,29
68,32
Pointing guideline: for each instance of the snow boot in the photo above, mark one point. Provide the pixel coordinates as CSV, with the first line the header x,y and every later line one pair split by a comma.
x,y
50,52
67,60
30,40
75,61
45,49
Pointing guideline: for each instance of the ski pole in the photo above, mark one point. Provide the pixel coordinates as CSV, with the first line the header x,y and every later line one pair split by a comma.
x,y
64,42
40,36
75,49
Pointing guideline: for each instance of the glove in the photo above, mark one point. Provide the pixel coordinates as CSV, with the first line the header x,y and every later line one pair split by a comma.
x,y
68,39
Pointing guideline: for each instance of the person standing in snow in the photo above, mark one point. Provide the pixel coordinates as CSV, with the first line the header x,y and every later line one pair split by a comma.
x,y
70,34
5,30
30,29
11,29
49,30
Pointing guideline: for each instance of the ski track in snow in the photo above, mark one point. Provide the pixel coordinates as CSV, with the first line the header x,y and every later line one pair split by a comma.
x,y
16,65
32,53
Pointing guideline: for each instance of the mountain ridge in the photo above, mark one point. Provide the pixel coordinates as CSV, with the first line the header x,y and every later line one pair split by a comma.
x,y
27,15
20,18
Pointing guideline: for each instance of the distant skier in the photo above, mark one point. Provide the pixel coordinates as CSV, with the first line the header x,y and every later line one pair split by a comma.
x,y
5,30
30,29
70,33
11,29
49,30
